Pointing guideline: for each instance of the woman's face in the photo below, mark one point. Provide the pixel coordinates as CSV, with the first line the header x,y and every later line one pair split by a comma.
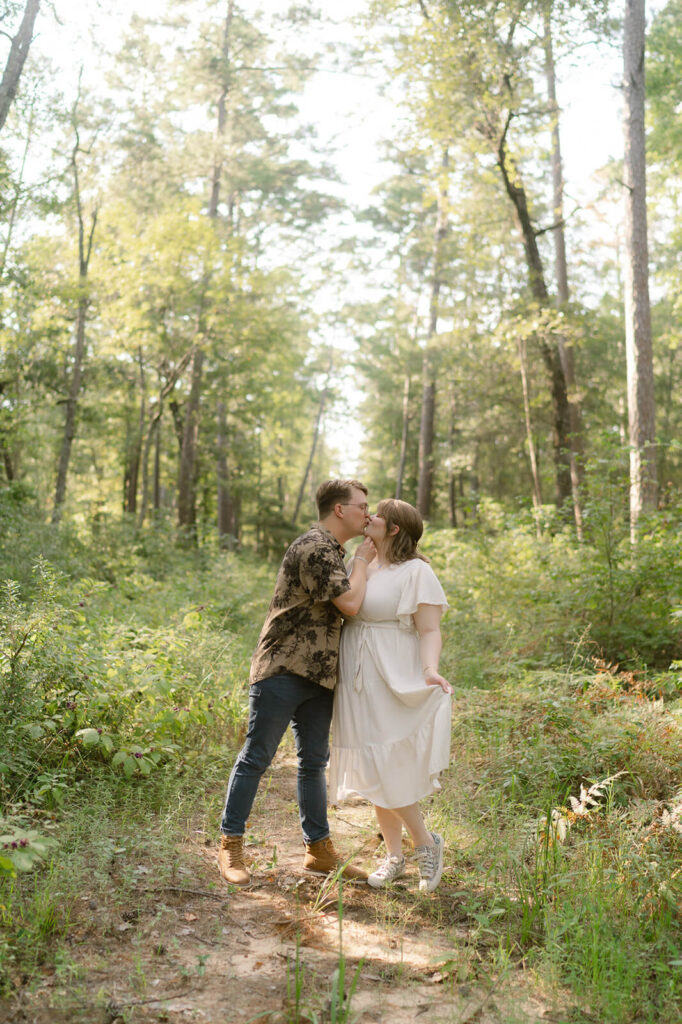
x,y
376,528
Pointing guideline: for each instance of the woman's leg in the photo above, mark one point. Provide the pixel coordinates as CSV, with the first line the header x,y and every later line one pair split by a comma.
x,y
411,817
391,826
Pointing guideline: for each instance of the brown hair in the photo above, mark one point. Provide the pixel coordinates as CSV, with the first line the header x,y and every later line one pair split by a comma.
x,y
401,546
331,492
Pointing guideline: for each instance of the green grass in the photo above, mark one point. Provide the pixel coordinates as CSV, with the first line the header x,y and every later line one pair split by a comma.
x,y
601,912
150,644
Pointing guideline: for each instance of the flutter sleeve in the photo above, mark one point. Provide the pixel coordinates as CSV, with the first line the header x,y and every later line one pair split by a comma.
x,y
420,586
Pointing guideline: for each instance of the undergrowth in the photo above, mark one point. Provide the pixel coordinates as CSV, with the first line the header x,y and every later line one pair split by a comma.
x,y
123,668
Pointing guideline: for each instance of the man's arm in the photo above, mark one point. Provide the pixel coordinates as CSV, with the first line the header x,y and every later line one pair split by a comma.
x,y
349,602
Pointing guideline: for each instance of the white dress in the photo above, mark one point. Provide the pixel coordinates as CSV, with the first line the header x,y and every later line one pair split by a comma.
x,y
390,731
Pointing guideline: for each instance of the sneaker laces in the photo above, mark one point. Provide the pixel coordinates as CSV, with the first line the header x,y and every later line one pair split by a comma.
x,y
427,859
388,866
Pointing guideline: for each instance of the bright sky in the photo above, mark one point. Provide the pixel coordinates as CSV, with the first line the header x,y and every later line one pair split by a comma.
x,y
347,107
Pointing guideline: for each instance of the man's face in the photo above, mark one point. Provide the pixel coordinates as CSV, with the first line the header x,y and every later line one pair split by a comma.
x,y
356,511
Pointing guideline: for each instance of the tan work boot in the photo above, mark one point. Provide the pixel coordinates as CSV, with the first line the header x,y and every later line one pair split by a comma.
x,y
231,860
322,859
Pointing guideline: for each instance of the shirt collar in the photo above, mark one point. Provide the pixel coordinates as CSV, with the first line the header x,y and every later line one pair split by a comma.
x,y
337,544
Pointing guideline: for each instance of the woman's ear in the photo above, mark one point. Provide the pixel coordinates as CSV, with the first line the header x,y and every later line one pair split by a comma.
x,y
394,529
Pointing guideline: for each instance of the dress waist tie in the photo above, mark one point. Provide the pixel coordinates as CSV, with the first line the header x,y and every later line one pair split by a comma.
x,y
365,630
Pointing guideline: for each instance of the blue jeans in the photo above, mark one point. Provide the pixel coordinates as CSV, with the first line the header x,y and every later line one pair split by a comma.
x,y
273,703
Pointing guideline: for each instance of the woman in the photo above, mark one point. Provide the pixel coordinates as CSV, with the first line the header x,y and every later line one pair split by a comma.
x,y
391,725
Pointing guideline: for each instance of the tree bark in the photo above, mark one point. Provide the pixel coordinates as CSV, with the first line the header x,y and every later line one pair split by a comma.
x,y
188,457
225,510
535,476
17,194
550,353
7,461
135,446
84,254
5,449
16,59
153,434
561,271
157,466
452,480
187,512
404,434
216,175
638,345
316,433
428,406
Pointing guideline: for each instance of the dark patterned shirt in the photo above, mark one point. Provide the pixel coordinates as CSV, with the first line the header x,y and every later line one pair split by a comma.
x,y
301,632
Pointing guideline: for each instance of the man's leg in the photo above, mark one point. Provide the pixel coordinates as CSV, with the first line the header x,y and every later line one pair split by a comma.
x,y
272,703
310,725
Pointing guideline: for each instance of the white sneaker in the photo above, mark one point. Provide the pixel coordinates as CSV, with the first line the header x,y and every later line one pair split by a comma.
x,y
430,862
387,872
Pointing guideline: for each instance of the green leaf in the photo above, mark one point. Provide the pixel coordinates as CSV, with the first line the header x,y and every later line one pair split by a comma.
x,y
129,766
90,737
7,867
23,860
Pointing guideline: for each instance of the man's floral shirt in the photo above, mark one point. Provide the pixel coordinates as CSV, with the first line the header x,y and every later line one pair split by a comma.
x,y
301,633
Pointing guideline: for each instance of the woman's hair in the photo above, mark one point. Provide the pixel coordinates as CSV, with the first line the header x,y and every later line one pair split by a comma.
x,y
401,546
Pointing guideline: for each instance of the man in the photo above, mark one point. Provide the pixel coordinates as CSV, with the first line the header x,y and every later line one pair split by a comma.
x,y
293,674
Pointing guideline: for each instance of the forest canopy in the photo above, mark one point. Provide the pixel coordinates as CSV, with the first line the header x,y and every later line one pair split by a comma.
x,y
199,320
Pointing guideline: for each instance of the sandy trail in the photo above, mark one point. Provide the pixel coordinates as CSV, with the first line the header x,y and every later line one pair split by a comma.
x,y
198,950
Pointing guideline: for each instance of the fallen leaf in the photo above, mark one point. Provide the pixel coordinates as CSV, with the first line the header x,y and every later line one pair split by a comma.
x,y
190,917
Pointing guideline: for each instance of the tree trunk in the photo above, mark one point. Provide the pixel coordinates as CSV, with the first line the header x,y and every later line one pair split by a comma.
x,y
187,513
144,460
550,354
157,467
17,193
425,467
84,254
639,355
188,472
153,435
225,512
452,481
403,436
5,449
177,420
135,446
7,461
219,138
565,351
16,59
313,446
71,409
535,476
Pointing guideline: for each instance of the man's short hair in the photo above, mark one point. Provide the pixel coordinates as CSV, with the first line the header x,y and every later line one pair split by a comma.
x,y
331,492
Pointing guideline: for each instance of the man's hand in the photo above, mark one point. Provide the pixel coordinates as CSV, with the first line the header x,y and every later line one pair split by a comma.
x,y
349,603
366,550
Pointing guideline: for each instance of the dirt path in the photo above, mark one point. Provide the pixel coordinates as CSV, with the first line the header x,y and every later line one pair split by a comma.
x,y
196,950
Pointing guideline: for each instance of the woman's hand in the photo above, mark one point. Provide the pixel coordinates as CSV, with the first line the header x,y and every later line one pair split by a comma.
x,y
365,550
433,678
